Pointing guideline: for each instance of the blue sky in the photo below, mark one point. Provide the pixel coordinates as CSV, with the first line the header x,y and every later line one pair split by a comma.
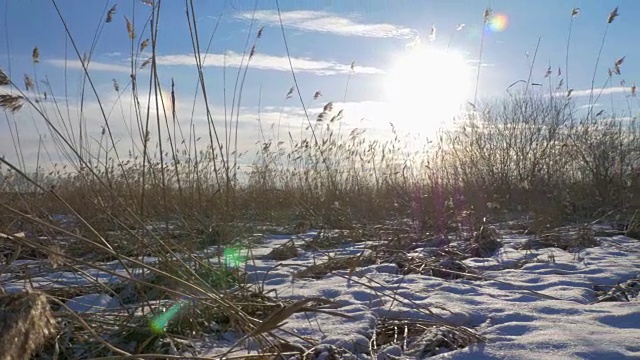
x,y
324,37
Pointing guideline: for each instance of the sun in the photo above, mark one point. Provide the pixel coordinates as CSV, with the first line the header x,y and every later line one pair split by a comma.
x,y
426,87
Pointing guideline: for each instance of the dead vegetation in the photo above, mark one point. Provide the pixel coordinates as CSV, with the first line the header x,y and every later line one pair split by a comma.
x,y
626,291
320,270
171,197
572,239
285,251
26,323
421,338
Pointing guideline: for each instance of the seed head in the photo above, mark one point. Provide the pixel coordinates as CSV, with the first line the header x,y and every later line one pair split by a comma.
x,y
612,15
4,79
110,14
132,34
35,55
487,14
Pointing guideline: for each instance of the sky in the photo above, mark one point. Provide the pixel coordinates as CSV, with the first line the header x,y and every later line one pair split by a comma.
x,y
415,63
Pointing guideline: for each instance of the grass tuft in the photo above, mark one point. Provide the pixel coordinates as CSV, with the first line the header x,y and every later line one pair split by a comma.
x,y
26,323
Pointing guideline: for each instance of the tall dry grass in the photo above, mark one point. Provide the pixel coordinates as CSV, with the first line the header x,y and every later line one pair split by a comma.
x,y
528,154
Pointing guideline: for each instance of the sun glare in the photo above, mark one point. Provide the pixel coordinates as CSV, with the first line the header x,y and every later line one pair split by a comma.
x,y
426,88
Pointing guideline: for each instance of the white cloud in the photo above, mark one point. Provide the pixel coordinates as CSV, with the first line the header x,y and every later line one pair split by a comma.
x,y
474,62
321,21
269,62
112,54
93,65
258,61
596,92
588,106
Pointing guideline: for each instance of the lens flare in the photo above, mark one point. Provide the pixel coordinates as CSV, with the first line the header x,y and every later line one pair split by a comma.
x,y
498,22
232,257
159,323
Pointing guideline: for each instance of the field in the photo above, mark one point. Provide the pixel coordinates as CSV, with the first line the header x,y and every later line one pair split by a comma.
x,y
514,234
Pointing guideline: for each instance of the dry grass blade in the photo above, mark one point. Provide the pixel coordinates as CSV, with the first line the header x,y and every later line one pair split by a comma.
x,y
110,14
145,63
260,32
35,55
88,327
12,103
328,312
276,319
612,15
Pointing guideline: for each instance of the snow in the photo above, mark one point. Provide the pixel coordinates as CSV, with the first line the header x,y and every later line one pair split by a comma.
x,y
527,304
92,303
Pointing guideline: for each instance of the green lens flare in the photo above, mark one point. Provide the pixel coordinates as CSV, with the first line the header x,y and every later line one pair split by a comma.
x,y
232,257
159,323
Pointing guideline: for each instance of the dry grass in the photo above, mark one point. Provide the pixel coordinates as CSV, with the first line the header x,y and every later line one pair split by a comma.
x,y
565,238
421,338
26,323
626,291
176,192
285,251
319,270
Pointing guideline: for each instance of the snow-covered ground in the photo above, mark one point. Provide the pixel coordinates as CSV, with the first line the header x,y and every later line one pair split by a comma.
x,y
526,304
533,304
